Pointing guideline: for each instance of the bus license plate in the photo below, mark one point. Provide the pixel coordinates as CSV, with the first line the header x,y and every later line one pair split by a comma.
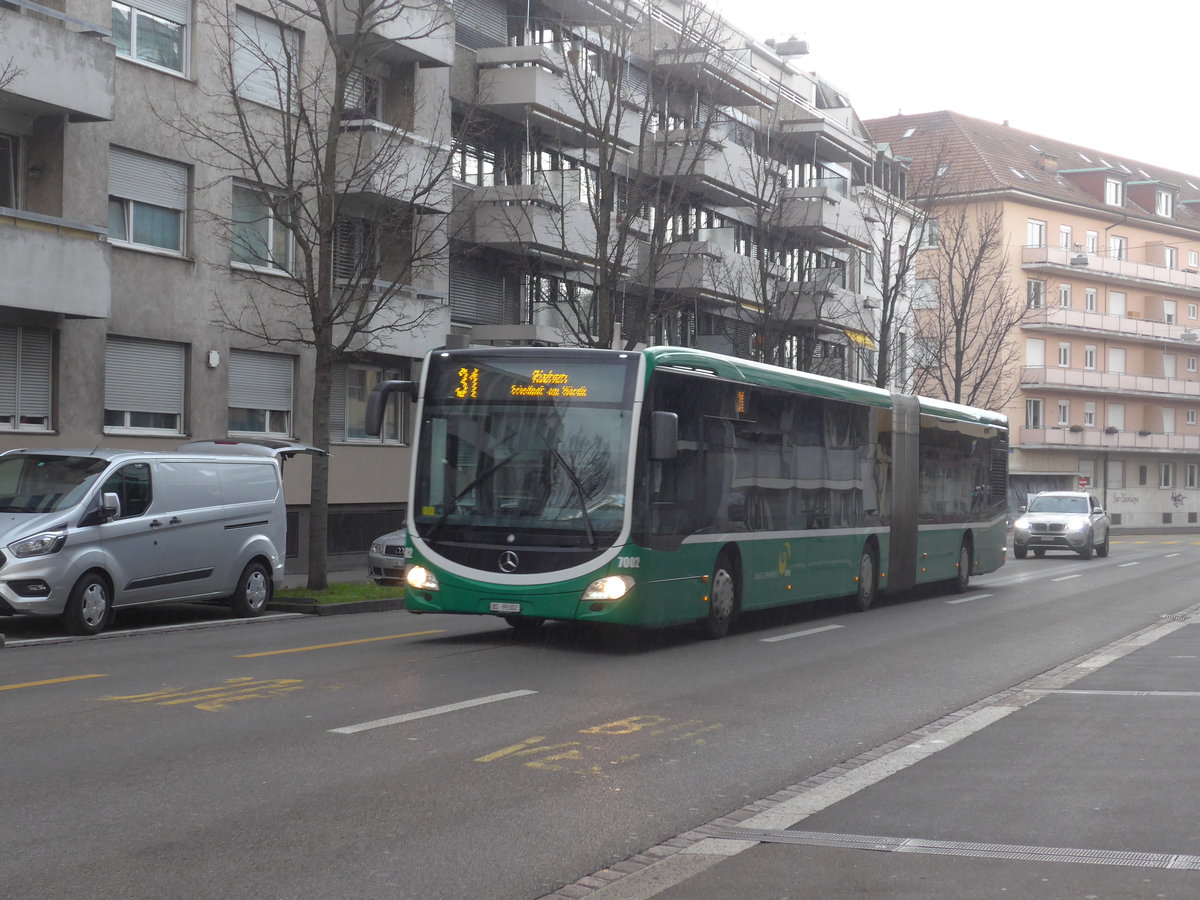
x,y
505,607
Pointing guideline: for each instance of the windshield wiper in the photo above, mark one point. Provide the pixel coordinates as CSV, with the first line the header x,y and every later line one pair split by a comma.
x,y
475,482
587,519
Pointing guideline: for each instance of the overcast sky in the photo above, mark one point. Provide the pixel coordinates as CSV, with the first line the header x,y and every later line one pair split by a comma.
x,y
1119,78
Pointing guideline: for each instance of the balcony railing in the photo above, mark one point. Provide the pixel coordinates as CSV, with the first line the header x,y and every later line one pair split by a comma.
x,y
60,64
394,166
53,265
823,214
1093,265
420,31
1102,439
1108,382
1057,316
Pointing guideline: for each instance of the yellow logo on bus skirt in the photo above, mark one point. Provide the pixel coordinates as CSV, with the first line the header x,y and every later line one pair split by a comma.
x,y
785,556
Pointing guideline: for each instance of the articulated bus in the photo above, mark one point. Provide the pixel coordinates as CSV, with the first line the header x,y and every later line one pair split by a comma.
x,y
671,485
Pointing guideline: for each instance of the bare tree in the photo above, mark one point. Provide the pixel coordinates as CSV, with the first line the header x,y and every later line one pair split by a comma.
x,y
339,170
970,310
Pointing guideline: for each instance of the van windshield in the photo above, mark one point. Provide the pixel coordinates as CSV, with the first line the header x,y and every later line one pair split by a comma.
x,y
34,483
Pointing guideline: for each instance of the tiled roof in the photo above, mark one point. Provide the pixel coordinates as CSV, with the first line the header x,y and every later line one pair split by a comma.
x,y
984,156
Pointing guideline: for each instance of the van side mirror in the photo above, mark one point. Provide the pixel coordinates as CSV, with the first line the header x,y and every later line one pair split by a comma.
x,y
664,435
110,506
377,402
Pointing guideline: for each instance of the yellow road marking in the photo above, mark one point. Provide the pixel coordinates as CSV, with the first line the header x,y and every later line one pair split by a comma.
x,y
214,699
13,687
390,637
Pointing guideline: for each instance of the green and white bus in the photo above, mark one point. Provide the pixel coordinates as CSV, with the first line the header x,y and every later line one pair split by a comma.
x,y
672,485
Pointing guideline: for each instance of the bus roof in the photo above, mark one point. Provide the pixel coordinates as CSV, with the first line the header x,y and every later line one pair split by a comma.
x,y
819,385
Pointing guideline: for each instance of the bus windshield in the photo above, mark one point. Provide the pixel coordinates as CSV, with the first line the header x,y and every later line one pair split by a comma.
x,y
537,453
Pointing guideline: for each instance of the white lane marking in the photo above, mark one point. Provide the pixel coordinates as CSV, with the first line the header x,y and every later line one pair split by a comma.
x,y
1067,577
1123,565
796,634
1169,555
425,713
968,599
149,629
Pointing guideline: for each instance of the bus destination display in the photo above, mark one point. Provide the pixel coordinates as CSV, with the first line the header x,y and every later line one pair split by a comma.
x,y
466,380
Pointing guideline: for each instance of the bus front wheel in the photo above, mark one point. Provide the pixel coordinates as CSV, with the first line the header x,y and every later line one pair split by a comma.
x,y
868,586
723,599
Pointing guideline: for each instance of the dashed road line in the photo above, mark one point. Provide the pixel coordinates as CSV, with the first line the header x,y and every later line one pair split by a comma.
x,y
65,680
968,599
425,713
388,637
796,634
1125,565
1067,577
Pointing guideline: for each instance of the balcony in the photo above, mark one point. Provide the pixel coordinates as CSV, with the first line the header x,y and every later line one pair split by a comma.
x,y
1156,278
546,219
517,83
821,299
828,134
704,161
823,215
63,65
394,166
1056,378
1133,328
420,32
52,265
724,76
706,266
1100,439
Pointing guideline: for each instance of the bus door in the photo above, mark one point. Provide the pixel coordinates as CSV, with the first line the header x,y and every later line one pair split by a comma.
x,y
906,492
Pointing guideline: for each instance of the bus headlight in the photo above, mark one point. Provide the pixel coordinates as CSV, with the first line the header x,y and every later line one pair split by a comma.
x,y
420,578
611,587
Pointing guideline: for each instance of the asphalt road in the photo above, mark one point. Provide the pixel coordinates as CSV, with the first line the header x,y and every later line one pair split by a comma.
x,y
392,755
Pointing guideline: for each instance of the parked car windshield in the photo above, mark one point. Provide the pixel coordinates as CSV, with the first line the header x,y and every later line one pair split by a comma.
x,y
35,483
1060,505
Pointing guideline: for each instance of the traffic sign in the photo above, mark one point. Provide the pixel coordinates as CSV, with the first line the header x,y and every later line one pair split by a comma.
x,y
1083,482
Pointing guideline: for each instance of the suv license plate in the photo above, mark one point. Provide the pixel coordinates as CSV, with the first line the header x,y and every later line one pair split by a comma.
x,y
505,607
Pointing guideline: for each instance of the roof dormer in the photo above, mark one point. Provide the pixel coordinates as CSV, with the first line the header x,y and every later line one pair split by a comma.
x,y
1104,183
1157,197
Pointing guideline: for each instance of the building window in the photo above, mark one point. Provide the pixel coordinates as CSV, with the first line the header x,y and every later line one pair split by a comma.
x,y
473,165
266,60
25,379
1035,352
1033,413
930,236
143,386
1035,233
1064,413
1089,356
1164,204
1114,192
1116,416
1193,310
1035,294
352,385
1064,296
1089,299
260,239
147,199
1170,311
10,171
156,38
1193,259
1118,247
1171,257
1093,242
260,393
1190,475
1143,476
1116,359
1064,237
1191,364
1191,417
1166,475
1116,303
1089,413
1064,355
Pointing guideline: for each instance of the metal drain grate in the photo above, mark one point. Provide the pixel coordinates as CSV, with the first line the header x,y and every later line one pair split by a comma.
x,y
963,848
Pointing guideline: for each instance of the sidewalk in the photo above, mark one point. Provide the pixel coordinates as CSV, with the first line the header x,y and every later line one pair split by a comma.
x,y
1081,782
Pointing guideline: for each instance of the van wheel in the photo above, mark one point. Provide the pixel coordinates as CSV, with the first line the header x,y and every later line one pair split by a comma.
x,y
89,605
723,600
253,591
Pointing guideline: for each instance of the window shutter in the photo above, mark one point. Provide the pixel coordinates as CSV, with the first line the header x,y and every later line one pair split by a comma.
x,y
35,374
477,293
147,179
260,380
480,23
171,10
337,403
8,372
265,59
142,376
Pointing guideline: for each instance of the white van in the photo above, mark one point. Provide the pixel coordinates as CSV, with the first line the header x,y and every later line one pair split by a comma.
x,y
85,532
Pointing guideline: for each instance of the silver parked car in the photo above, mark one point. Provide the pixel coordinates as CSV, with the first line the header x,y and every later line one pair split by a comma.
x,y
387,560
1062,520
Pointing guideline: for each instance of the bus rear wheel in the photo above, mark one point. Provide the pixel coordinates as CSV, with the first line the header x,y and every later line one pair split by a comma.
x,y
868,580
723,599
962,581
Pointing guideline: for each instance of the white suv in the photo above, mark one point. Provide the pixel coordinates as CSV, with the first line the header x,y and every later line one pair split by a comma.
x,y
1061,520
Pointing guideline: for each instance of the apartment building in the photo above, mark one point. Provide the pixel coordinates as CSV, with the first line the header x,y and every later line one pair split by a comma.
x,y
153,247
1104,252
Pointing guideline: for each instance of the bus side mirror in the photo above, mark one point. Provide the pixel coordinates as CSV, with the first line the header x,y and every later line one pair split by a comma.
x,y
377,402
664,435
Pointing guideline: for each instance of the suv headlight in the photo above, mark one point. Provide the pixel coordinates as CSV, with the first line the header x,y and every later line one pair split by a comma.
x,y
39,544
1076,524
1021,525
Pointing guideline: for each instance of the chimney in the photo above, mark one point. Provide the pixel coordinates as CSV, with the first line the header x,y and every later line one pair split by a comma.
x,y
1048,162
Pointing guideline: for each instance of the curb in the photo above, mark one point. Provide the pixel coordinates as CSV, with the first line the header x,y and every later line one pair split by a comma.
x,y
311,607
